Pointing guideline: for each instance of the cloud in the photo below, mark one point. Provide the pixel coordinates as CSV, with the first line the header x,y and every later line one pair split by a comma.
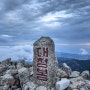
x,y
27,20
83,51
6,36
55,16
16,52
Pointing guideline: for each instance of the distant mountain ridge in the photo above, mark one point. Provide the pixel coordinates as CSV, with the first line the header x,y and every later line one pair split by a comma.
x,y
74,56
76,65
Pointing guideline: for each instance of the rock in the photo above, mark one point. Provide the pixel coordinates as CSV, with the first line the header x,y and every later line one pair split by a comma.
x,y
63,74
4,87
9,80
85,74
23,70
23,75
83,88
52,88
12,72
12,67
63,84
76,83
44,62
19,65
58,72
18,89
41,88
66,68
6,62
87,84
31,70
3,69
7,76
29,86
13,87
2,82
17,82
74,74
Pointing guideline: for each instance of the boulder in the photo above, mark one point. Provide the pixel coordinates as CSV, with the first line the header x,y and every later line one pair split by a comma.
x,y
23,70
6,87
31,71
66,68
74,74
63,74
84,88
2,82
8,79
7,76
19,65
6,62
63,84
87,84
85,74
58,72
41,88
23,75
13,87
11,67
18,89
12,72
3,69
76,83
29,86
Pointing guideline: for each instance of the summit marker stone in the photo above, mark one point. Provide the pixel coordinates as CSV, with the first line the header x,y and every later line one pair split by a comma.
x,y
44,62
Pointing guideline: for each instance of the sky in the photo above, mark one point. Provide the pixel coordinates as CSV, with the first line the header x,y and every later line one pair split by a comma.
x,y
67,22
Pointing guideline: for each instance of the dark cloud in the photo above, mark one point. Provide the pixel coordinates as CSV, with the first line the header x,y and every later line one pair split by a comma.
x,y
9,5
66,20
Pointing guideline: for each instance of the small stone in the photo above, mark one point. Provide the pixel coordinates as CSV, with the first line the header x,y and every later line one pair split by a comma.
x,y
7,76
41,88
23,70
85,74
14,87
63,74
74,74
9,80
87,84
23,75
31,71
82,89
63,84
6,62
76,83
29,86
58,72
66,68
12,72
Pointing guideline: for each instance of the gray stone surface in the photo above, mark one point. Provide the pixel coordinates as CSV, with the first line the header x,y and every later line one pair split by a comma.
x,y
76,83
29,86
44,62
85,74
66,68
41,88
62,84
23,75
75,74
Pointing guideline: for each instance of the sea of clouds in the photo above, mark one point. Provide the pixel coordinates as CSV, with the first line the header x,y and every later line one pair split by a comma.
x,y
17,52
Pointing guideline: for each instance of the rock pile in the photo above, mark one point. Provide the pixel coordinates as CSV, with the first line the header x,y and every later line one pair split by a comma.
x,y
72,80
19,76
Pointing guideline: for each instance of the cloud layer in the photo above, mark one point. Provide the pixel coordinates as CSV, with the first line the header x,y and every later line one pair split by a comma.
x,y
66,21
16,52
